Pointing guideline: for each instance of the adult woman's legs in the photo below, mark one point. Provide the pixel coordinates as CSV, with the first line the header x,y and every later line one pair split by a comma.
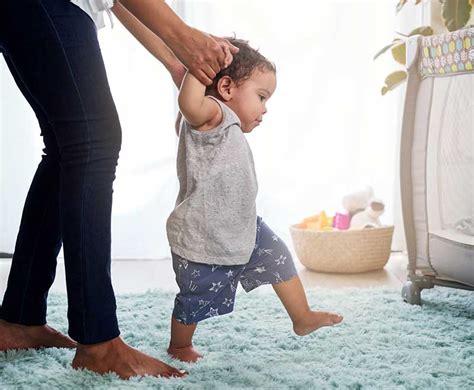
x,y
39,235
52,47
56,56
39,238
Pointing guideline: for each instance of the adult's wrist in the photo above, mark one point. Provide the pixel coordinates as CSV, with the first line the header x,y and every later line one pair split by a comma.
x,y
159,17
175,35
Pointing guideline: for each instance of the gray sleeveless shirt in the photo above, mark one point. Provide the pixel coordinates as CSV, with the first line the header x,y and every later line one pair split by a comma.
x,y
214,220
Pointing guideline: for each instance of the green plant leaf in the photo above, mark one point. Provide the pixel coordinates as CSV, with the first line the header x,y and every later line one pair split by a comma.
x,y
423,30
380,52
399,52
401,34
400,5
456,13
393,80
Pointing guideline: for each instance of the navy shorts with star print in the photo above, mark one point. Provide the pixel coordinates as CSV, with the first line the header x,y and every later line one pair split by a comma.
x,y
208,290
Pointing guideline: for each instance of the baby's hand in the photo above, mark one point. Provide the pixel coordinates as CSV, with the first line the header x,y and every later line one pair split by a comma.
x,y
228,49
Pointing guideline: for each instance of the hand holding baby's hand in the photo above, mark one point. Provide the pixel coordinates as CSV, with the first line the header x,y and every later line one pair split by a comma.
x,y
228,49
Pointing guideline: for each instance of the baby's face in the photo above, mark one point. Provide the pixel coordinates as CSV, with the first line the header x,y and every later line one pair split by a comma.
x,y
249,98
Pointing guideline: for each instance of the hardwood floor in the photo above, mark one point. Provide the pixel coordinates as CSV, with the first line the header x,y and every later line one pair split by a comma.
x,y
134,276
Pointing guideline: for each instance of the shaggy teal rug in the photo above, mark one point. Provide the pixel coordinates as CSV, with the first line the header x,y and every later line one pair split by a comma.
x,y
382,344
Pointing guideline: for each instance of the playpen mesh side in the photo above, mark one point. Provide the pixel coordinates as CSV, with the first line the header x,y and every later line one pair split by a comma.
x,y
450,178
437,156
455,156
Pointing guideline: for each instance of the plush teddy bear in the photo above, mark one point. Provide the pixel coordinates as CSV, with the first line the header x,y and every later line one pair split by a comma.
x,y
358,200
363,208
368,218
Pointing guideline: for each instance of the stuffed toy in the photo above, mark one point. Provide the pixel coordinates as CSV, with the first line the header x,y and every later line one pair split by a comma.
x,y
363,208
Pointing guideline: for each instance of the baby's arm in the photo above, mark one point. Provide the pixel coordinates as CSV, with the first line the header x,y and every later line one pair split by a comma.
x,y
203,113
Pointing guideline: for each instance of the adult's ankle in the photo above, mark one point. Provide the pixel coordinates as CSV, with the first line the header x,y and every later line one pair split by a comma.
x,y
99,349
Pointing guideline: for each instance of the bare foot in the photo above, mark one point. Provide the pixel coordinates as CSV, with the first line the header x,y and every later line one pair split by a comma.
x,y
15,336
314,320
185,354
116,356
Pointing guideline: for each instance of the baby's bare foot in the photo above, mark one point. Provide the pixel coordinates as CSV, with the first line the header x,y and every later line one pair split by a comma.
x,y
185,354
314,320
118,357
15,336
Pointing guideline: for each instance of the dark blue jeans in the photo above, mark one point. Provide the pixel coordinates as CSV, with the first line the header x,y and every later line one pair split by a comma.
x,y
51,49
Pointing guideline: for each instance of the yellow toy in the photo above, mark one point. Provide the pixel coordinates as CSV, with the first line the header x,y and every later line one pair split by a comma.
x,y
318,222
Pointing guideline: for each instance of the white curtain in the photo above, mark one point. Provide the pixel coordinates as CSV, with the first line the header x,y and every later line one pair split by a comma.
x,y
327,131
20,151
146,184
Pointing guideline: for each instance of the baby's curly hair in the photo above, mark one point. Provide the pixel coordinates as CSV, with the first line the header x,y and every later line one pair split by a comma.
x,y
245,63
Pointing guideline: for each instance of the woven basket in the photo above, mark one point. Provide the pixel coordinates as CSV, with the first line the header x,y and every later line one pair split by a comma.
x,y
348,251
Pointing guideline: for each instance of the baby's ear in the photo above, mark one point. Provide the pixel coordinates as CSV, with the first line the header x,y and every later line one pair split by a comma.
x,y
225,88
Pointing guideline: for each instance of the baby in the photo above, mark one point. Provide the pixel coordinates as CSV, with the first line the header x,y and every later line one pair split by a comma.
x,y
216,238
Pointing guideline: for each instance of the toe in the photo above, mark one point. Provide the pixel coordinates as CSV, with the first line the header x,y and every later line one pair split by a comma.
x,y
175,373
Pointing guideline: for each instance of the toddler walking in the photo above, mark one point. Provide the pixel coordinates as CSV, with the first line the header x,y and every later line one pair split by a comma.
x,y
216,238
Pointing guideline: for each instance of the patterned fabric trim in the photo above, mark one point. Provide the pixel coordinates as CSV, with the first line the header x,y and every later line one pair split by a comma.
x,y
447,53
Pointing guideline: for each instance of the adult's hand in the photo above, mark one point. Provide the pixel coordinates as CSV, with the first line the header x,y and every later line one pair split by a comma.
x,y
203,55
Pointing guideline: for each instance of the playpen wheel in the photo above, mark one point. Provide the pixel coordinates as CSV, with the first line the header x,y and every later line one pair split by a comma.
x,y
411,293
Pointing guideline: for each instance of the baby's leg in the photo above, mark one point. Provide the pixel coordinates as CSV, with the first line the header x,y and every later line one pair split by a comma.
x,y
272,263
205,291
181,343
305,321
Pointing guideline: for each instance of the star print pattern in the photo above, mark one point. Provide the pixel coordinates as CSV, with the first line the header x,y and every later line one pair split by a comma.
x,y
262,251
203,303
181,317
278,278
208,290
228,302
280,260
192,286
216,286
212,312
183,263
246,284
